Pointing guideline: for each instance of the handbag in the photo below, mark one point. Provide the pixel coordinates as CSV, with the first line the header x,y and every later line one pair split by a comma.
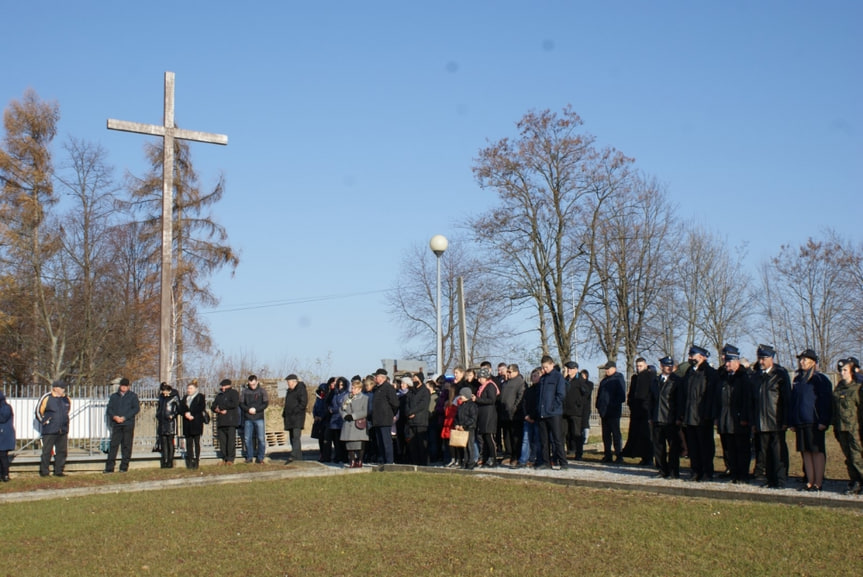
x,y
205,417
157,446
361,423
458,438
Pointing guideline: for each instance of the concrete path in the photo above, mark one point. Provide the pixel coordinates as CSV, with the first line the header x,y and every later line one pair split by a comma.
x,y
593,475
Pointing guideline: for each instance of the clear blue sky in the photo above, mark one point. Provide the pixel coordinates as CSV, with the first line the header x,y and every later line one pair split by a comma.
x,y
353,125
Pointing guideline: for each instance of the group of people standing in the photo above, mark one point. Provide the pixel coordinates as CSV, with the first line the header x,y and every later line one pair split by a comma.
x,y
678,412
542,421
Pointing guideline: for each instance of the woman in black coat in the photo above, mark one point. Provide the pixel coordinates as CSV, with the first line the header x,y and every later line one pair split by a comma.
x,y
166,418
193,408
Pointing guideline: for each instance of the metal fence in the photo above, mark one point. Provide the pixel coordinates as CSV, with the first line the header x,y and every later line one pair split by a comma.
x,y
89,430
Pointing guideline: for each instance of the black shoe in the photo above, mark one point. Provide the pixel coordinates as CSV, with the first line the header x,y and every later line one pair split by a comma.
x,y
41,474
5,479
607,459
60,474
645,463
618,461
107,471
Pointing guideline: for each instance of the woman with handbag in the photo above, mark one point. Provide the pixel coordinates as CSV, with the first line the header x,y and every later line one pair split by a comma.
x,y
166,417
465,420
354,410
194,411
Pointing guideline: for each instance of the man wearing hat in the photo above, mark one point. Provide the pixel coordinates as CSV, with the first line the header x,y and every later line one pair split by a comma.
x,y
294,415
734,424
698,411
771,397
573,409
226,408
811,413
665,428
53,416
385,403
610,397
123,406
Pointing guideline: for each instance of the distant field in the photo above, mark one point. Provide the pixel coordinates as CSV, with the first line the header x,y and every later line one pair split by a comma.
x,y
419,524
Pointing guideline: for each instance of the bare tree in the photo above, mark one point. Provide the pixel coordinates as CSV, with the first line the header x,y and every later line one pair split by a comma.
x,y
810,297
552,183
633,269
412,304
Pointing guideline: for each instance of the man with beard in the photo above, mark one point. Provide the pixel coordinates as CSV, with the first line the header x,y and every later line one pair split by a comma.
x,y
638,443
663,419
771,395
698,412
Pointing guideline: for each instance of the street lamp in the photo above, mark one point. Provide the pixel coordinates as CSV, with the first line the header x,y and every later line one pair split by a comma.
x,y
438,244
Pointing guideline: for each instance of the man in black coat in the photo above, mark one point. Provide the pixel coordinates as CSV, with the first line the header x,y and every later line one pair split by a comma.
x,y
294,415
416,430
512,420
225,406
638,444
735,405
486,422
122,408
385,403
698,411
663,420
609,404
771,398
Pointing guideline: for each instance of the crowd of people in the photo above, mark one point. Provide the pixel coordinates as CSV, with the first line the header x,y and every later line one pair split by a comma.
x,y
543,421
479,418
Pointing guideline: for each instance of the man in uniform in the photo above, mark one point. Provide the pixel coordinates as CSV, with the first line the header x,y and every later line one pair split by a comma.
x,y
664,420
698,413
771,395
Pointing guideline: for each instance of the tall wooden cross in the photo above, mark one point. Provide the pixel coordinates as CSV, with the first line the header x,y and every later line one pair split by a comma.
x,y
168,132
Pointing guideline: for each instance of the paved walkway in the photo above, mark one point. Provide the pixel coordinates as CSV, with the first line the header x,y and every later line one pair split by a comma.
x,y
583,474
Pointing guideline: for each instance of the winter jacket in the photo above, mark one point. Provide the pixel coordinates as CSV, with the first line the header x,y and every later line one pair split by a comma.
x,y
227,400
55,414
256,398
166,414
552,391
699,396
294,412
466,415
577,400
611,396
486,401
511,393
418,406
195,406
846,408
358,408
638,398
384,405
663,399
126,406
735,394
811,400
7,425
771,399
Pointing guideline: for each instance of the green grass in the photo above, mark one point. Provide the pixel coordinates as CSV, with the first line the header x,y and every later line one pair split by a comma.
x,y
415,523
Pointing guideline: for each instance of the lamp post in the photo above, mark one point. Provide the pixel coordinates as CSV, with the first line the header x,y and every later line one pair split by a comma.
x,y
438,244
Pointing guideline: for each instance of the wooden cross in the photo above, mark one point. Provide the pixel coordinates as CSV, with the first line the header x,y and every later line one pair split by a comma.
x,y
168,132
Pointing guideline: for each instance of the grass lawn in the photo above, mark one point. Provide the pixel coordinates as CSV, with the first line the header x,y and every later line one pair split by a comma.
x,y
420,524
